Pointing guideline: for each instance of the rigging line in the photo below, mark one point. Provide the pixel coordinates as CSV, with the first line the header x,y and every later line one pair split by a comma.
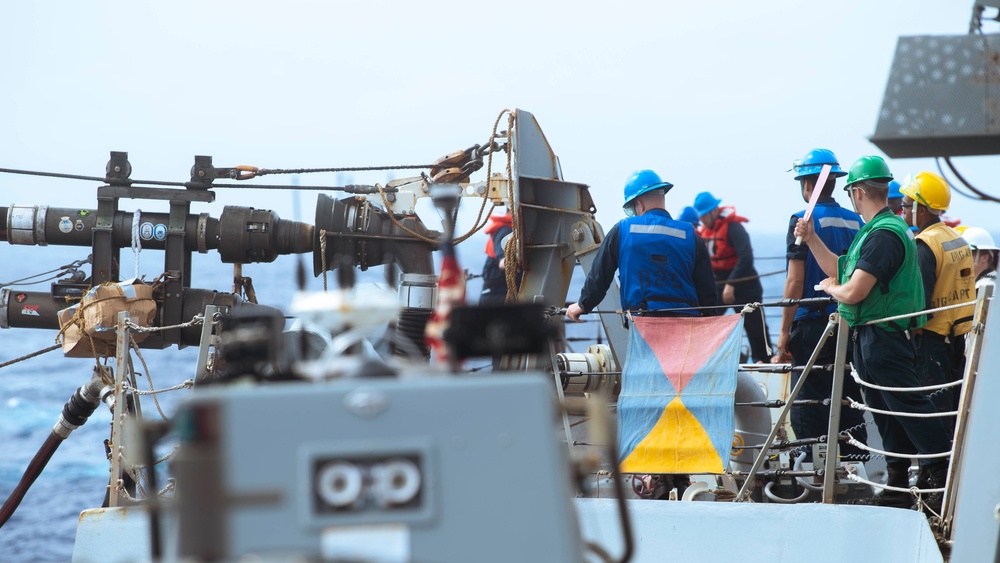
x,y
139,183
953,185
748,278
31,355
947,160
86,178
24,282
50,174
69,268
854,442
266,171
782,303
924,312
349,189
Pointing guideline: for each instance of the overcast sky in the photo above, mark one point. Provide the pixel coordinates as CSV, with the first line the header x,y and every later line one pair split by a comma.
x,y
717,96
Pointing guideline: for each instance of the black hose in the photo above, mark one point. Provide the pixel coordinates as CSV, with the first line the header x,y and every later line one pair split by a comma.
x,y
411,325
34,469
77,410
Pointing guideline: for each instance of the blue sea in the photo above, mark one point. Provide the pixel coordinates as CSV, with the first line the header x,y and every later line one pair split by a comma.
x,y
33,392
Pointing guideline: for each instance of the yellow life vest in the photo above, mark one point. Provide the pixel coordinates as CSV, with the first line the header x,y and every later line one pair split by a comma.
x,y
956,280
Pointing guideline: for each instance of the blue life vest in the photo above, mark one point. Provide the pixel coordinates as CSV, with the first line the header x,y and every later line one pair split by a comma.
x,y
656,262
836,227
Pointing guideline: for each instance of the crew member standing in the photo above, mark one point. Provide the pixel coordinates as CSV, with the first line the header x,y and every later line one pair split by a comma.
x,y
732,262
946,268
984,255
895,198
494,276
802,327
689,215
662,263
879,278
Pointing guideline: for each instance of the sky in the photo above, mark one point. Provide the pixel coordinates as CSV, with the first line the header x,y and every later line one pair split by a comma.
x,y
719,96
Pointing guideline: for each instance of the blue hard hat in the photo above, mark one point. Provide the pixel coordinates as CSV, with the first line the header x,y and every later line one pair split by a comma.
x,y
894,192
642,181
813,161
689,215
705,202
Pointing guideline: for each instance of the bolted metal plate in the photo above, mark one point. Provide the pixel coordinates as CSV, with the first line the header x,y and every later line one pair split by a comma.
x,y
942,97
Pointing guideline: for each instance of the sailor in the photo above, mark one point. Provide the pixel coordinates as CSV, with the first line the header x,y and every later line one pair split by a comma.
x,y
494,275
946,268
879,278
895,198
984,255
661,262
689,215
732,262
802,327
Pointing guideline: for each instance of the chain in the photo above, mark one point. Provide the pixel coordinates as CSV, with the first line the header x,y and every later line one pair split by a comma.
x,y
322,255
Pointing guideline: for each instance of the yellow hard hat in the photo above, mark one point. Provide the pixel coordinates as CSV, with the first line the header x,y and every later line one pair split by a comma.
x,y
929,189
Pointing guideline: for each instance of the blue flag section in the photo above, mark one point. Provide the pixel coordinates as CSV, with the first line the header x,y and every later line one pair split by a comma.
x,y
676,407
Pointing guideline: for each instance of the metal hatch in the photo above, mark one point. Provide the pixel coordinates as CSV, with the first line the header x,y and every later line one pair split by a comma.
x,y
942,97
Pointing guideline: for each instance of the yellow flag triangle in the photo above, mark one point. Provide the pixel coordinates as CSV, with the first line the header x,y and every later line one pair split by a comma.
x,y
677,444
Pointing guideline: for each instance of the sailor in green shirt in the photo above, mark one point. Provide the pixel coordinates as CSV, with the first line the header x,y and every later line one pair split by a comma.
x,y
878,278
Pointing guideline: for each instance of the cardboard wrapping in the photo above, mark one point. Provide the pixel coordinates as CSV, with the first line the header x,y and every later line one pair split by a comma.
x,y
88,328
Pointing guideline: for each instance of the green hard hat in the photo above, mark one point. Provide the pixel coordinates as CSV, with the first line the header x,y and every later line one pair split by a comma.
x,y
868,168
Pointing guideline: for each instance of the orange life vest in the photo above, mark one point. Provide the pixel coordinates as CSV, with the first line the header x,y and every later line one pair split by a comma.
x,y
496,221
723,255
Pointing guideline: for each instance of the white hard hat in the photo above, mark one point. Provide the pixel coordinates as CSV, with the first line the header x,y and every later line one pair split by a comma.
x,y
979,239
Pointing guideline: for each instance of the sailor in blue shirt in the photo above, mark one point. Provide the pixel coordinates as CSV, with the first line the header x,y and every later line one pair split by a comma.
x,y
802,327
662,263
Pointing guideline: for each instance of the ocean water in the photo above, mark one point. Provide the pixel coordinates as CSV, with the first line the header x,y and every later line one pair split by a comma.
x,y
33,392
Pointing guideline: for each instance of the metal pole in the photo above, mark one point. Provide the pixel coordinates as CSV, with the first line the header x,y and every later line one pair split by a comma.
x,y
833,430
118,419
747,485
973,348
201,368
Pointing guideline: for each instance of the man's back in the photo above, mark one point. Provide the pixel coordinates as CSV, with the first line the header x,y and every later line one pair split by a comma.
x,y
656,262
953,279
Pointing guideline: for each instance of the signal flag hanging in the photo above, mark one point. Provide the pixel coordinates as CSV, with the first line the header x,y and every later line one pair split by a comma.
x,y
676,409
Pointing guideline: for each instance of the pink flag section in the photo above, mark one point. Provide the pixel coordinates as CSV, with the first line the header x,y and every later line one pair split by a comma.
x,y
683,345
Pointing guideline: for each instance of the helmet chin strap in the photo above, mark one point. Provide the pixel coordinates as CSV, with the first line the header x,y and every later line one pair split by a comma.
x,y
913,214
